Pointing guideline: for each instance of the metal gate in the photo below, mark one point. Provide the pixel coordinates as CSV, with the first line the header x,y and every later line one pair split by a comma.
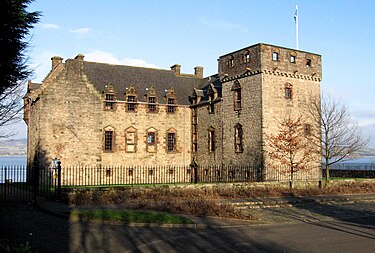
x,y
17,183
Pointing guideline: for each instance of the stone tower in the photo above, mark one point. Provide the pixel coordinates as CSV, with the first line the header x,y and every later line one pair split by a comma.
x,y
256,87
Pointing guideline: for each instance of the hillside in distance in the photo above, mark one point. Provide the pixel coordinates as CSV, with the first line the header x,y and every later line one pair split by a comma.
x,y
13,147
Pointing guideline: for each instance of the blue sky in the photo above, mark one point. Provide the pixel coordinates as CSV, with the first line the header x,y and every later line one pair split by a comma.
x,y
196,32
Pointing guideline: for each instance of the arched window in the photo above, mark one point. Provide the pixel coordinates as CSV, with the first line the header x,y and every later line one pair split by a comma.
x,y
238,138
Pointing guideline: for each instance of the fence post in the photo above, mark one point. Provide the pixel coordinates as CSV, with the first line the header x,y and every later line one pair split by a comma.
x,y
194,167
59,180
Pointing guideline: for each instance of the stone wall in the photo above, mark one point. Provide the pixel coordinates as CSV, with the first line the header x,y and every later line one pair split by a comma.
x,y
141,121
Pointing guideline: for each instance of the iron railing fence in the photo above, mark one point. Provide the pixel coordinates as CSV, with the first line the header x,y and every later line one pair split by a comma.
x,y
18,183
138,175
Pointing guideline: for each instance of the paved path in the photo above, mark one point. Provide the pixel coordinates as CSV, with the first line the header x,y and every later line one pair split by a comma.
x,y
318,227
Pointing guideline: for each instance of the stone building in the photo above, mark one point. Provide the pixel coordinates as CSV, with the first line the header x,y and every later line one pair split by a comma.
x,y
88,113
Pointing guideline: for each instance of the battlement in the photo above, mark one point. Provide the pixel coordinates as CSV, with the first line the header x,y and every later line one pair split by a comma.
x,y
269,58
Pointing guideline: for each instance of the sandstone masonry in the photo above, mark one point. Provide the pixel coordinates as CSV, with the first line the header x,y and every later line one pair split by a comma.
x,y
95,114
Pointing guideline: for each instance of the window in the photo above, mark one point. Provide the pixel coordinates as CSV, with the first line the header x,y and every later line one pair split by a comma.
x,y
308,63
211,98
151,138
275,56
195,130
211,139
246,57
171,105
238,138
108,141
230,62
307,129
288,92
109,101
131,103
130,140
237,99
292,59
151,104
171,142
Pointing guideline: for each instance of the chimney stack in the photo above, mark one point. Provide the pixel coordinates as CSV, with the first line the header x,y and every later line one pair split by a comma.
x,y
198,71
79,57
56,60
176,69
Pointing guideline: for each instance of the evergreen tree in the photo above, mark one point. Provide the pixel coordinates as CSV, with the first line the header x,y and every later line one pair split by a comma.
x,y
15,26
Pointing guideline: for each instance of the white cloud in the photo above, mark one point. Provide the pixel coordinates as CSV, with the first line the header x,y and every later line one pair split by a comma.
x,y
83,30
107,57
51,26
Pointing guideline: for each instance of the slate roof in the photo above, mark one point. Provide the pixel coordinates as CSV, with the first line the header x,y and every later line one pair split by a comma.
x,y
122,77
203,88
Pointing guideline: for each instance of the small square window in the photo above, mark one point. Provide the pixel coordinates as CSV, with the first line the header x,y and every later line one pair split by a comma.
x,y
275,56
288,92
308,63
307,129
292,59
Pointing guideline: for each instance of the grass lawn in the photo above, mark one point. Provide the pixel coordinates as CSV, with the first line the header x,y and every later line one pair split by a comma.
x,y
128,216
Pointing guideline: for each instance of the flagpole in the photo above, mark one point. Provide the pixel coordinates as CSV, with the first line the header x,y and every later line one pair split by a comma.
x,y
296,21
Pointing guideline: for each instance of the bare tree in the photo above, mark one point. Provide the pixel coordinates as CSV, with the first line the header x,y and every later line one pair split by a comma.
x,y
15,29
10,107
340,137
290,147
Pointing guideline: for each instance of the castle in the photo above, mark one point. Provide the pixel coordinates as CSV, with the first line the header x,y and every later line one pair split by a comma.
x,y
97,114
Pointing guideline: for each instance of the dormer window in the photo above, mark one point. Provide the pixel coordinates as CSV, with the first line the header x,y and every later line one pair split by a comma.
x,y
171,105
109,101
131,103
151,104
275,56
